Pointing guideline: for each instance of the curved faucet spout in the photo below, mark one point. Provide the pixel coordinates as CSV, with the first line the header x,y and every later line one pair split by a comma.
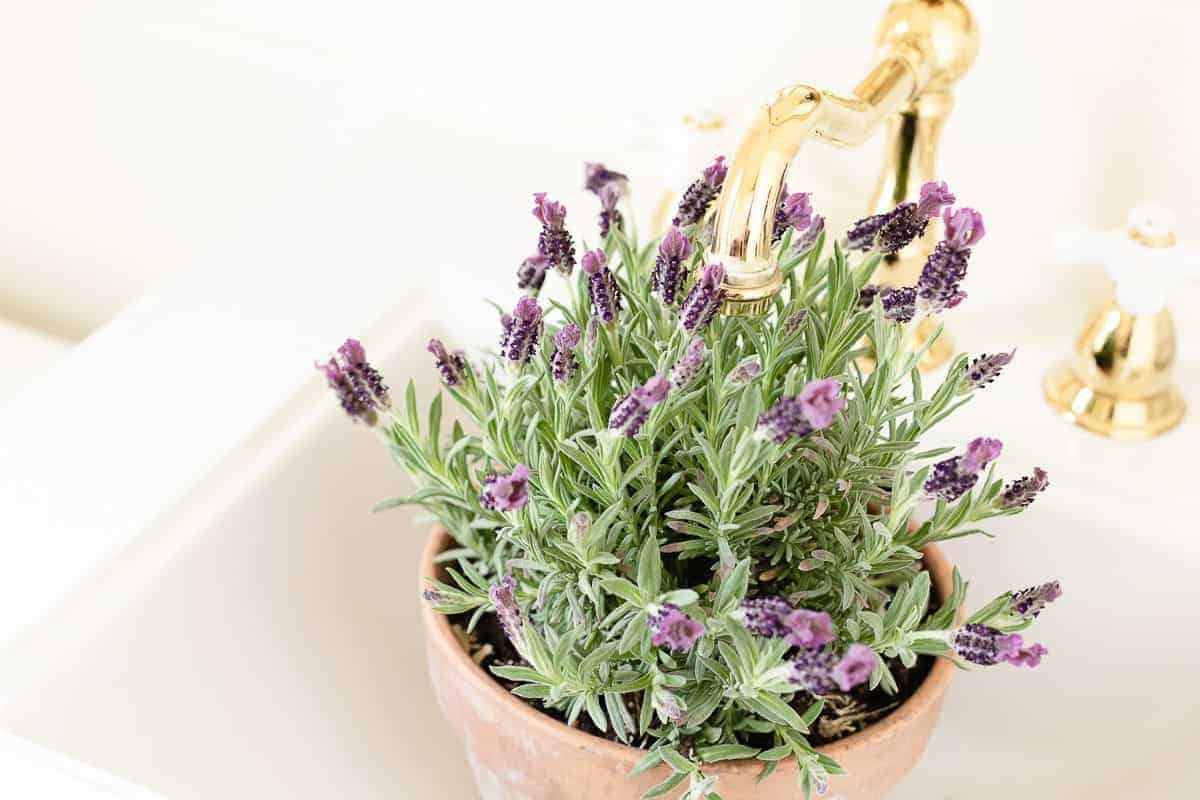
x,y
924,44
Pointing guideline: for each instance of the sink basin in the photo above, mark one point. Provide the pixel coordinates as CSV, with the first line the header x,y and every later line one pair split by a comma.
x,y
276,652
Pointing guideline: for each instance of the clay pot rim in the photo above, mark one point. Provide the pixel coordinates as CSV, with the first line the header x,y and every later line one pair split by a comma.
x,y
895,724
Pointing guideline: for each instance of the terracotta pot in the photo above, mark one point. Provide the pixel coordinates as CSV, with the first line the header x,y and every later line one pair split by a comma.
x,y
519,753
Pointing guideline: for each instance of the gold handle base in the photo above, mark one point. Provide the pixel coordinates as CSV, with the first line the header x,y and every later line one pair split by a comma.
x,y
1108,414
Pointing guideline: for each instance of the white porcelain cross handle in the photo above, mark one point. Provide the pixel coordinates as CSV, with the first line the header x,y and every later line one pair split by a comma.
x,y
1144,259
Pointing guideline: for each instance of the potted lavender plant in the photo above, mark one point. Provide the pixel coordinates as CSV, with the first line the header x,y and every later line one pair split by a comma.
x,y
676,551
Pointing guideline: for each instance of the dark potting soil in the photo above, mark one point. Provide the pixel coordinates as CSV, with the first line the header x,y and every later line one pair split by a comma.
x,y
842,715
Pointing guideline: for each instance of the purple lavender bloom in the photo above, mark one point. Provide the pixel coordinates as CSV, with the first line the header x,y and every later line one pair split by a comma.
x,y
700,195
359,386
807,240
984,645
669,273
452,366
631,412
689,365
1028,656
938,286
532,272
794,211
1023,491
596,176
981,451
555,242
854,668
794,322
819,402
784,420
893,231
952,478
506,492
861,235
813,671
671,628
746,371
764,616
985,369
521,331
602,287
1028,603
504,598
935,195
964,227
610,216
899,303
432,596
811,630
563,364
704,300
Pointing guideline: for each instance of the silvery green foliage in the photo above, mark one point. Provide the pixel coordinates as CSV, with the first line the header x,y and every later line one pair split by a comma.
x,y
697,511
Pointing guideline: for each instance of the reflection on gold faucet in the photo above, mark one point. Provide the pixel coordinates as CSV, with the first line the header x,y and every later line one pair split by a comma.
x,y
925,46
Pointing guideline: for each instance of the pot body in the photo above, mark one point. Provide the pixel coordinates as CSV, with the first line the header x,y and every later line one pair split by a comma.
x,y
518,753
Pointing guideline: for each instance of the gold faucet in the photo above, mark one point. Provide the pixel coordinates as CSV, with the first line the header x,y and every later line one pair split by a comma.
x,y
925,46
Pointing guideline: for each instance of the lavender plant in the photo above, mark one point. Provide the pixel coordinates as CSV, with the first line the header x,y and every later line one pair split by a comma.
x,y
695,529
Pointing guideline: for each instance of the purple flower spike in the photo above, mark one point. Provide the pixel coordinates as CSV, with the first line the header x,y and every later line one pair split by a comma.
x,y
984,645
452,366
935,196
554,243
631,412
521,331
985,369
506,492
602,287
952,478
504,597
597,176
688,367
666,281
746,371
1023,491
1028,603
819,402
810,629
704,300
938,287
807,240
532,272
563,364
981,451
1029,656
359,386
964,227
795,211
813,671
783,421
764,616
854,668
610,217
700,195
550,213
671,628
893,231
861,235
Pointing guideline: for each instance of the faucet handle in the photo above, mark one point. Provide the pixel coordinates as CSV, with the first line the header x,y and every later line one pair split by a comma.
x,y
1145,259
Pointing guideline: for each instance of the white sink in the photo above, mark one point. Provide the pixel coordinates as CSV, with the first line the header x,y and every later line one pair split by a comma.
x,y
276,653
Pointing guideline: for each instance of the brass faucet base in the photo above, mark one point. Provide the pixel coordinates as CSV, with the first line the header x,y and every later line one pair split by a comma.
x,y
1110,415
